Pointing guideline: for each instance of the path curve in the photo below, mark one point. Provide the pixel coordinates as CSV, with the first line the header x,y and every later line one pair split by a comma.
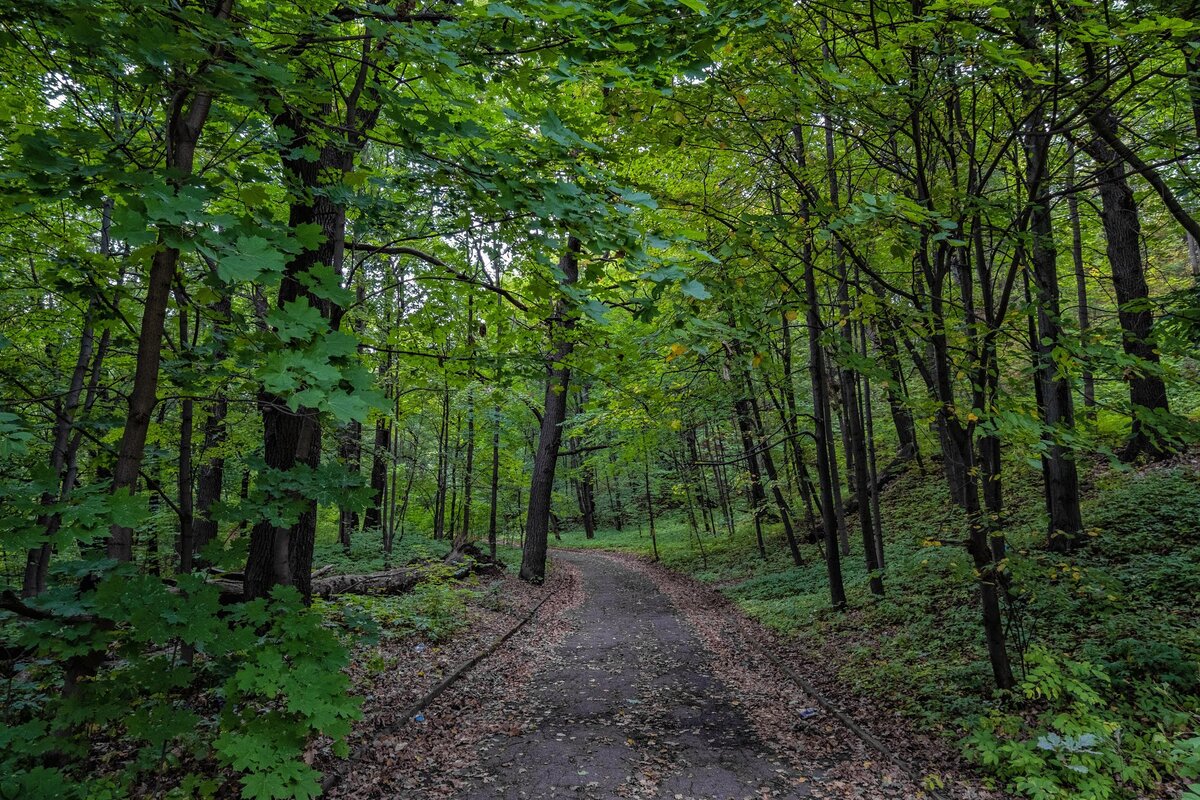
x,y
628,706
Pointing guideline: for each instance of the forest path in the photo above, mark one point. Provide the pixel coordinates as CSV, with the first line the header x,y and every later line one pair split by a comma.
x,y
629,705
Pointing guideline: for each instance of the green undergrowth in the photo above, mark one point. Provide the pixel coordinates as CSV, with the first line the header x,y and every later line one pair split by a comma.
x,y
182,696
434,610
1106,644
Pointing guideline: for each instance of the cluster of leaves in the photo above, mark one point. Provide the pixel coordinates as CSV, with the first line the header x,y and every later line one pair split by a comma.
x,y
1074,741
166,681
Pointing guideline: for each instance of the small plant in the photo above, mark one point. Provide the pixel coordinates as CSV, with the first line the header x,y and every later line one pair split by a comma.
x,y
1073,741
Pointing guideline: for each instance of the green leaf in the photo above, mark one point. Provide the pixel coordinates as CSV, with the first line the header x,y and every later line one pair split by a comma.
x,y
252,257
696,289
504,10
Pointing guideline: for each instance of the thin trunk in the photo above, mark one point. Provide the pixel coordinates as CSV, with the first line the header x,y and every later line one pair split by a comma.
x,y
37,562
469,467
649,502
869,416
373,516
791,425
1058,414
764,446
494,494
210,478
864,485
820,397
186,119
1081,296
758,498
443,457
187,544
902,418
722,480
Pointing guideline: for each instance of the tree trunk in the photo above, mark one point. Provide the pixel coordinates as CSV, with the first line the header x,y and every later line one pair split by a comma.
x,y
469,467
282,555
650,502
210,477
758,498
373,516
558,378
37,561
764,446
1123,233
186,120
1081,296
902,419
1059,469
820,398
443,445
187,542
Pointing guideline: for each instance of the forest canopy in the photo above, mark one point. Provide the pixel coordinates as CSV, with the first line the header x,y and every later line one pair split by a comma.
x,y
289,287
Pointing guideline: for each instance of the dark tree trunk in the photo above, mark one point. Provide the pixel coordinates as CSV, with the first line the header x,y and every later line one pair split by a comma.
x,y
282,555
862,483
443,445
764,446
867,406
758,497
821,429
469,468
582,481
1058,413
649,502
210,478
1123,233
820,397
1081,295
373,516
187,542
186,119
558,378
494,494
37,561
902,418
791,423
722,481
852,427
349,438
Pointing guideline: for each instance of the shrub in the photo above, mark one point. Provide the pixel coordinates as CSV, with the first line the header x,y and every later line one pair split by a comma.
x,y
171,681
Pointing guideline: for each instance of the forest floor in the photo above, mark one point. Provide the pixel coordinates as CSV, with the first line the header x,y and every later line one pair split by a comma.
x,y
634,682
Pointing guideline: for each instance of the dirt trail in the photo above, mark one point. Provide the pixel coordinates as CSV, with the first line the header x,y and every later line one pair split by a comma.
x,y
629,706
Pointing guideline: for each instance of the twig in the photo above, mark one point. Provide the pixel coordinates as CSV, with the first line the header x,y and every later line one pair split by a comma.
x,y
334,778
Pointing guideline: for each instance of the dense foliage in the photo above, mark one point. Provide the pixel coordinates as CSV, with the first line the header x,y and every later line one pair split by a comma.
x,y
343,285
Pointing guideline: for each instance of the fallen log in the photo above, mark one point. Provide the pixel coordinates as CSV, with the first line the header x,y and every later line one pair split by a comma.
x,y
396,581
466,560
